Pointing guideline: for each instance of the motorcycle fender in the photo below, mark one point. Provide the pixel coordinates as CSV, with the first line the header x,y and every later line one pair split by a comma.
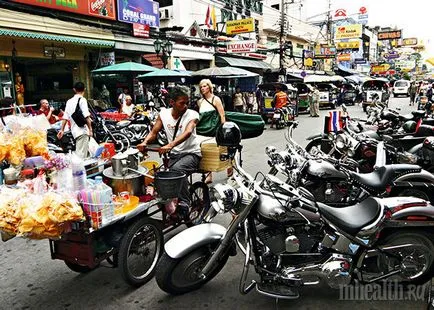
x,y
193,238
422,175
317,136
416,212
415,148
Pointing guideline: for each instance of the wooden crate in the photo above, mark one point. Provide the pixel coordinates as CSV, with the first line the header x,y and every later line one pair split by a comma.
x,y
211,157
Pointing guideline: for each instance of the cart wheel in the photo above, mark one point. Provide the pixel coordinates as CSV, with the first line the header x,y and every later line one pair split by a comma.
x,y
139,251
79,268
200,203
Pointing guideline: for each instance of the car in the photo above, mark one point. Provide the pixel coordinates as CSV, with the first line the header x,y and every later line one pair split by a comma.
x,y
401,87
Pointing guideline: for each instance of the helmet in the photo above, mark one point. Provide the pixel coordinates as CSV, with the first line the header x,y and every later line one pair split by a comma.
x,y
228,134
409,126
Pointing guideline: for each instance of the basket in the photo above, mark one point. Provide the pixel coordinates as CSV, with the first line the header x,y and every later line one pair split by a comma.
x,y
114,116
168,183
101,214
211,157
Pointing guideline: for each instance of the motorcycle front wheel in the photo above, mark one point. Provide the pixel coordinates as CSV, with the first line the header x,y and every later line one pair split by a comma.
x,y
182,275
121,141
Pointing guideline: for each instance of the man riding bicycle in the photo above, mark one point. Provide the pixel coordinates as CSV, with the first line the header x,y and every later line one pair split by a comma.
x,y
183,148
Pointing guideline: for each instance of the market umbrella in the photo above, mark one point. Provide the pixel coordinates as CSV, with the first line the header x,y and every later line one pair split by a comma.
x,y
125,67
165,75
224,72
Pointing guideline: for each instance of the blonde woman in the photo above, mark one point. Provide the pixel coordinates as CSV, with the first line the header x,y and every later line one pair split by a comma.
x,y
210,102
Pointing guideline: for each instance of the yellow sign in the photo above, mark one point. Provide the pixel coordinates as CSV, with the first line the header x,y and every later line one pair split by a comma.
x,y
380,68
348,45
240,26
308,62
348,31
409,41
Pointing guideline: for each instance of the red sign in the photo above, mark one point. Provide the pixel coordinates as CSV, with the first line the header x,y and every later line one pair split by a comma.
x,y
94,8
363,10
340,13
140,30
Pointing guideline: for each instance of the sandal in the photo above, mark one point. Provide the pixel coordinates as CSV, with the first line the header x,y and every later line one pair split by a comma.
x,y
208,179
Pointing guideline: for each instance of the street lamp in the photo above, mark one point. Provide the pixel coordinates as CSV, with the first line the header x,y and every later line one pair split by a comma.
x,y
165,47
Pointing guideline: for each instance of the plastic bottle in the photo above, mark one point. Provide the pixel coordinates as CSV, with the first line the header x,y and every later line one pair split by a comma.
x,y
78,173
104,192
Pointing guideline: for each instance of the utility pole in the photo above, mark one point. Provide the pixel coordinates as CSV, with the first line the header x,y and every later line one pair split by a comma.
x,y
329,24
282,33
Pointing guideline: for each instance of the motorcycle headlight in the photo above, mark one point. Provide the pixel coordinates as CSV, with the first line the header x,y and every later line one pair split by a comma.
x,y
341,141
224,197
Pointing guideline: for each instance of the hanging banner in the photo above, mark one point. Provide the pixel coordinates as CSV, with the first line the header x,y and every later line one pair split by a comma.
x,y
94,8
348,31
240,26
246,46
140,12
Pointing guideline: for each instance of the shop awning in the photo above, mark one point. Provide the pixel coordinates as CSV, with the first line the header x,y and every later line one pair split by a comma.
x,y
244,63
154,60
55,37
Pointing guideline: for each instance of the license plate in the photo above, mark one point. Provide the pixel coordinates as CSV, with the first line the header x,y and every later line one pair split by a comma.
x,y
276,115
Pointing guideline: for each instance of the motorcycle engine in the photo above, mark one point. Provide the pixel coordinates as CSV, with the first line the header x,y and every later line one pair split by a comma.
x,y
328,192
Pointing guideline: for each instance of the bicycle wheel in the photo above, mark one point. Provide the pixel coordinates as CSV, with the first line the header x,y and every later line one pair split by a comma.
x,y
200,203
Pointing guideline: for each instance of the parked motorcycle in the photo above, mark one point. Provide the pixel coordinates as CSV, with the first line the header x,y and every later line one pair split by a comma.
x,y
293,241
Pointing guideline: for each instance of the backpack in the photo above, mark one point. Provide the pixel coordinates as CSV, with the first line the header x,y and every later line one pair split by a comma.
x,y
77,116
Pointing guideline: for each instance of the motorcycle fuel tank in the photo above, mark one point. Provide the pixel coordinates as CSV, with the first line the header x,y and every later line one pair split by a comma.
x,y
324,169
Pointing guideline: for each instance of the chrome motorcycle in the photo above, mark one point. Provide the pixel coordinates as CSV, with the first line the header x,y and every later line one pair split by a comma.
x,y
292,241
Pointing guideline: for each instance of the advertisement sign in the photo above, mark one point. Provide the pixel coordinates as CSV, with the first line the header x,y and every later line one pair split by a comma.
x,y
94,8
348,31
389,35
391,55
240,26
344,57
348,45
139,12
325,51
409,41
140,30
241,46
107,59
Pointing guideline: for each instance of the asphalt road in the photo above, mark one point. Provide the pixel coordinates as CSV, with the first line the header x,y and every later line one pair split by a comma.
x,y
29,279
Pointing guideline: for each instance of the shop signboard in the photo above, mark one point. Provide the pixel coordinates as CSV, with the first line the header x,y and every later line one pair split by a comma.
x,y
359,61
325,51
348,31
140,12
107,59
389,35
245,46
240,26
348,45
94,8
409,41
140,30
344,57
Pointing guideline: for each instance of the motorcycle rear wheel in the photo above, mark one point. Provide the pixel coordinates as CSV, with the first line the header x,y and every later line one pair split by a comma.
x,y
419,259
182,275
200,203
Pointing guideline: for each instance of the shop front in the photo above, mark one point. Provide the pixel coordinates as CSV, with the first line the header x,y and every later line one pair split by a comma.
x,y
44,57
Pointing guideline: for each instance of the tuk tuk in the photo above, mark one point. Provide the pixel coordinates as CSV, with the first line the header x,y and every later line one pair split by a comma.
x,y
328,94
348,95
268,91
303,97
373,88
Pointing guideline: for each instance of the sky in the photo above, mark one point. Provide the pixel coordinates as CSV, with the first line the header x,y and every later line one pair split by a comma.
x,y
415,17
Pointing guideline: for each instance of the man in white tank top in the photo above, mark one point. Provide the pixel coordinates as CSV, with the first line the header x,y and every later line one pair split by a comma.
x,y
179,122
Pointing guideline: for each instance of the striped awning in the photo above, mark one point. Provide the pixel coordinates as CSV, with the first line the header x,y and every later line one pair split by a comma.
x,y
56,37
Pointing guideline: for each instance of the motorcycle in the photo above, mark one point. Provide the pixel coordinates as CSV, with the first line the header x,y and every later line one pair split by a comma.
x,y
282,117
293,241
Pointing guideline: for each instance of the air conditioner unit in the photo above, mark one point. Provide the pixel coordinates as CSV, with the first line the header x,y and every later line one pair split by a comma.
x,y
164,14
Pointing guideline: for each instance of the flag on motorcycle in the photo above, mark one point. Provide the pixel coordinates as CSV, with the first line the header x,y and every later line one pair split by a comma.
x,y
335,121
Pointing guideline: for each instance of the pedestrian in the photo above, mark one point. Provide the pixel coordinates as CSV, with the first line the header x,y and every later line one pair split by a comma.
x,y
122,98
259,99
183,148
413,90
250,102
81,134
128,107
238,100
315,102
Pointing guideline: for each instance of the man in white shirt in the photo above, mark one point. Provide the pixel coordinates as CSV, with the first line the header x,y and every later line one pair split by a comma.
x,y
80,134
179,122
128,106
122,99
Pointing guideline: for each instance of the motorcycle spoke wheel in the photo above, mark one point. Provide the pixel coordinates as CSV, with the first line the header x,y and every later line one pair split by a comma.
x,y
139,251
200,203
416,262
121,141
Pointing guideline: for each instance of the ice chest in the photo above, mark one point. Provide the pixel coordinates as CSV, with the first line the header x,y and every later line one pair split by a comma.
x,y
211,157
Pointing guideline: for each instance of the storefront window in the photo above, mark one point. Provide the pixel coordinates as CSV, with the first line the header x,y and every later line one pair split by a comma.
x,y
54,82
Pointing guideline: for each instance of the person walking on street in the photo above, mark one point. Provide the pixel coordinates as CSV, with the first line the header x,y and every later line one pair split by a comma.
x,y
238,100
315,102
80,134
413,90
183,148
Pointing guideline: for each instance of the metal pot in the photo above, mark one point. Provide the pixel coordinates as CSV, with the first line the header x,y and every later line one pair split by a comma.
x,y
131,182
119,163
133,158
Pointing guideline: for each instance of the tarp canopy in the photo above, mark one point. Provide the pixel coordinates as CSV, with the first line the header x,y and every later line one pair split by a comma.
x,y
165,75
125,67
245,63
314,78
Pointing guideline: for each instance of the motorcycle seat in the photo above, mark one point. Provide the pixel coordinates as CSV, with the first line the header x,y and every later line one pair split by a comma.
x,y
418,113
353,218
122,124
406,117
383,176
424,131
428,121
